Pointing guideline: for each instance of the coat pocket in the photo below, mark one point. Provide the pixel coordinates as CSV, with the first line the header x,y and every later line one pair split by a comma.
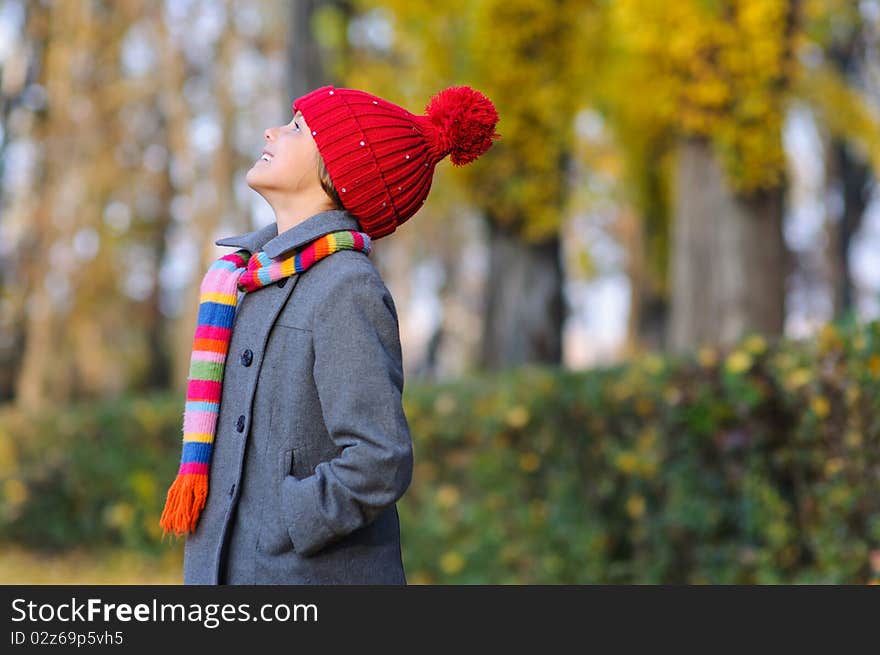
x,y
296,462
287,463
274,538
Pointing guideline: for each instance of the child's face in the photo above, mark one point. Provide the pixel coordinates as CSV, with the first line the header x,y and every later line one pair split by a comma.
x,y
292,162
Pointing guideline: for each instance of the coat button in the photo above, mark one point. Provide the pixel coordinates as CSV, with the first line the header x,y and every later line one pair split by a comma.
x,y
247,357
232,490
282,282
240,424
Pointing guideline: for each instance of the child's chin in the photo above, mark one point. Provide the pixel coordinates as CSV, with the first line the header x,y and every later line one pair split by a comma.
x,y
252,177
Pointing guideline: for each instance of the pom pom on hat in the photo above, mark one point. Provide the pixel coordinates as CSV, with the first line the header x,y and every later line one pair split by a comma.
x,y
461,123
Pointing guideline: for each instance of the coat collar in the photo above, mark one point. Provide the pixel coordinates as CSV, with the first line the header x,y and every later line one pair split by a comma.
x,y
274,245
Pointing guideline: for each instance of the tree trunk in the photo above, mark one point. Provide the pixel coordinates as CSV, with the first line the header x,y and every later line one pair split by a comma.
x,y
159,345
525,308
649,272
849,174
729,260
851,177
306,70
19,273
45,374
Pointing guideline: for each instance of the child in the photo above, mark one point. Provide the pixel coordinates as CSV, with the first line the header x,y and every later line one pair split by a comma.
x,y
295,416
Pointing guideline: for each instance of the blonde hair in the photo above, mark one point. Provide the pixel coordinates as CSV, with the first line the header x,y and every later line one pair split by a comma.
x,y
326,182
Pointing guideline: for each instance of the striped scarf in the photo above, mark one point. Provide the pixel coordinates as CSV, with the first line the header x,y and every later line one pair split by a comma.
x,y
243,271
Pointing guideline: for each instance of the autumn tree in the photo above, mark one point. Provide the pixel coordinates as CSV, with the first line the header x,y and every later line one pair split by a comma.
x,y
533,59
715,82
836,84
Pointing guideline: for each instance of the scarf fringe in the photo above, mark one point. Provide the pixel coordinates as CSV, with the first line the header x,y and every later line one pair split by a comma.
x,y
186,499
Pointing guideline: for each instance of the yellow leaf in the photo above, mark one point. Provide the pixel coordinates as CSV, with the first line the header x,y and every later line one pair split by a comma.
x,y
421,578
15,491
821,406
829,339
653,363
451,562
853,439
444,404
627,462
447,495
738,361
644,406
798,378
518,416
119,515
648,469
707,357
755,344
529,462
635,506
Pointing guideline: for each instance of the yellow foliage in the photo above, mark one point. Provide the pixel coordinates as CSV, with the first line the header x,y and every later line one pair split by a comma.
x,y
859,342
451,562
707,357
14,492
119,515
144,485
719,70
724,70
820,405
653,363
648,469
797,378
738,361
846,111
853,439
627,462
644,406
445,404
420,578
647,439
529,462
8,455
833,465
829,339
151,526
447,495
635,506
518,416
755,344
531,60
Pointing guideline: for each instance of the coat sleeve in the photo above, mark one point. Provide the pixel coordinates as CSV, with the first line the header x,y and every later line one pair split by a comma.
x,y
358,374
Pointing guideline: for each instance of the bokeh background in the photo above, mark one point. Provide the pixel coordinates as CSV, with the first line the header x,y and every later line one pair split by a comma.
x,y
641,334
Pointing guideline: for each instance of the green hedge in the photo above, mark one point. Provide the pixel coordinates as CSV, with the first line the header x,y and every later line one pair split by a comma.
x,y
757,464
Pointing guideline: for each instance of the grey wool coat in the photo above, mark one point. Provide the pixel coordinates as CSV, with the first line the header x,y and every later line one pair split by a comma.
x,y
312,448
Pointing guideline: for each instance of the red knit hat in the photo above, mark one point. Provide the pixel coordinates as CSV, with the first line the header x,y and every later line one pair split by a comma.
x,y
381,157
